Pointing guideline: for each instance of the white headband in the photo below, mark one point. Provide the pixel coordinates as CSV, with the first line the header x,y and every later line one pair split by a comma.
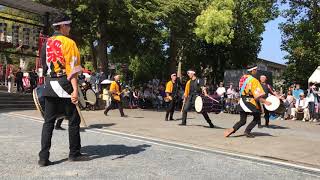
x,y
191,72
62,23
251,69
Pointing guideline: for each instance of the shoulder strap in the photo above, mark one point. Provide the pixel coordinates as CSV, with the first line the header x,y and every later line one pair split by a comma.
x,y
245,84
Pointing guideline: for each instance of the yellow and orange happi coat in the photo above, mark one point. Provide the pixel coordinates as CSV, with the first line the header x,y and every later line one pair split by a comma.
x,y
169,87
251,92
62,56
115,90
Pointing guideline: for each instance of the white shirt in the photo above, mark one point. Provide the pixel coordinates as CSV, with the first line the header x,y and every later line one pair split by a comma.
x,y
302,103
221,90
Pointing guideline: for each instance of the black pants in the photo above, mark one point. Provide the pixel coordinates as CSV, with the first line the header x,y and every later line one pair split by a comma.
x,y
266,117
50,116
190,104
115,104
312,110
20,86
171,108
243,121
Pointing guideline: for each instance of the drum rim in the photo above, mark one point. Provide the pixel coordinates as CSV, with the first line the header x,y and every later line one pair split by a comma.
x,y
81,98
195,104
95,98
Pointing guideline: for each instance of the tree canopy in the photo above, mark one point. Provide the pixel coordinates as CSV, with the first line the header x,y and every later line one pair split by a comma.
x,y
152,36
301,39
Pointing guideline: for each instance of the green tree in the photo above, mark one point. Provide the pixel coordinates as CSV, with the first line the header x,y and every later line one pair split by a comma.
x,y
301,39
215,23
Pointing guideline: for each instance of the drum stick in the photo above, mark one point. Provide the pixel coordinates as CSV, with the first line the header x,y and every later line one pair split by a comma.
x,y
83,122
213,99
182,107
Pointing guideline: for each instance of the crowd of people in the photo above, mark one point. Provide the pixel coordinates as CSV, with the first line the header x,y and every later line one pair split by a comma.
x,y
299,103
24,81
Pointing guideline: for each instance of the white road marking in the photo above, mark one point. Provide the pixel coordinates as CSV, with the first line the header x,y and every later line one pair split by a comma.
x,y
187,147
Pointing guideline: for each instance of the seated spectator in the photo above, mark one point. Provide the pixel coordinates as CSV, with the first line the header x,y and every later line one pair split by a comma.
x,y
301,106
289,103
230,91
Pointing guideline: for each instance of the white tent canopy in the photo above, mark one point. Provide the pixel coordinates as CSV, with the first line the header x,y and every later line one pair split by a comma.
x,y
315,77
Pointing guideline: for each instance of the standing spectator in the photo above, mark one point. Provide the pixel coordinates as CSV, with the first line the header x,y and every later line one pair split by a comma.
x,y
135,95
297,92
10,82
19,82
93,82
33,79
312,99
221,91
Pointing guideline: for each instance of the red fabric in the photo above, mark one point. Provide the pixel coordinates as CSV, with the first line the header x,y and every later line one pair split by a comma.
x,y
86,71
26,82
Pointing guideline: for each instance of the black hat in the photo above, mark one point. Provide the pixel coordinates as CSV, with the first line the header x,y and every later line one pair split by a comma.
x,y
61,19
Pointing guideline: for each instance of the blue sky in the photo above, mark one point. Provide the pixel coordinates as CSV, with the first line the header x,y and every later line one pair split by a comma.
x,y
270,47
271,43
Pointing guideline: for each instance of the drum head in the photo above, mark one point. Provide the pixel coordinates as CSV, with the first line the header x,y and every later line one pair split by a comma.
x,y
198,104
91,97
82,101
275,103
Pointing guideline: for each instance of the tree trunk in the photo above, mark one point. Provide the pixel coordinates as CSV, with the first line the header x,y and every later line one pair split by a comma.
x,y
94,56
173,52
102,46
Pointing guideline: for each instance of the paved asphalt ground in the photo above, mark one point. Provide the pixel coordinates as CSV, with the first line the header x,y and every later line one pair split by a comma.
x,y
117,157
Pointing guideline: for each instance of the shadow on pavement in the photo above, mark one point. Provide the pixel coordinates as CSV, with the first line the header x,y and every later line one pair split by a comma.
x,y
60,161
257,134
100,126
100,151
215,127
277,127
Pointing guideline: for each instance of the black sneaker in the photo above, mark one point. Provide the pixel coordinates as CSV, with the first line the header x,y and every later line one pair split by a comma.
x,y
105,113
171,119
260,126
124,115
59,128
183,124
166,119
80,157
43,163
249,135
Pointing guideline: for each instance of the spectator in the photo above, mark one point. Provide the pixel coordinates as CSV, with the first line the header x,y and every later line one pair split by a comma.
x,y
297,92
19,82
93,82
312,97
33,79
10,82
301,106
289,103
230,91
221,91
